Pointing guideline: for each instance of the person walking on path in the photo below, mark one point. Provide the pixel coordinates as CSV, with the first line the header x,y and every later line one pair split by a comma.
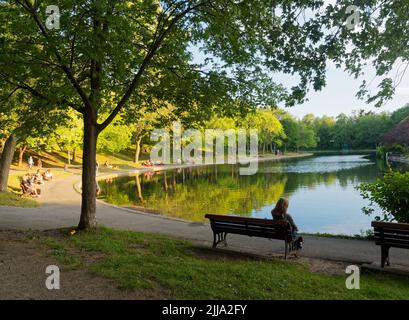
x,y
30,162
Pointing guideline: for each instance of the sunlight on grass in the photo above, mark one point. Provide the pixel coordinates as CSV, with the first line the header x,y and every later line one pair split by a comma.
x,y
13,200
138,260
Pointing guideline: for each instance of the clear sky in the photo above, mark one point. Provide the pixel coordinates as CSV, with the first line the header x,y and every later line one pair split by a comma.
x,y
339,96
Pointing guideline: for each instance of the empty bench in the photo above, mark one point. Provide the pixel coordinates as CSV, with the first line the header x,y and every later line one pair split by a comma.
x,y
264,228
390,235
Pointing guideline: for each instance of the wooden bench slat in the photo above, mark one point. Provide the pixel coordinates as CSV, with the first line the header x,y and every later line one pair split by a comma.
x,y
392,231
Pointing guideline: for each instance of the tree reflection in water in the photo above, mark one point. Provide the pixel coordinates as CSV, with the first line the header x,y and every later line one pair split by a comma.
x,y
190,193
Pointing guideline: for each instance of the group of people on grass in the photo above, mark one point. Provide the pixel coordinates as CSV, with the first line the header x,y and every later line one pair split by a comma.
x,y
109,165
30,181
149,163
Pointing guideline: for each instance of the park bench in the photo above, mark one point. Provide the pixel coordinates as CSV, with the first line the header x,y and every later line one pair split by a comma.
x,y
390,235
265,228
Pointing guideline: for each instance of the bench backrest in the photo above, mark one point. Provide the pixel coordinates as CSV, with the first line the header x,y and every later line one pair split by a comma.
x,y
265,228
391,234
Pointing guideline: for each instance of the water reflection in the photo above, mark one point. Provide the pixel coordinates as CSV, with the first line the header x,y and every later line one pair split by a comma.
x,y
320,189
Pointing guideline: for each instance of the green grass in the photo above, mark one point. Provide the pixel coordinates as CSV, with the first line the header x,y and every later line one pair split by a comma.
x,y
13,197
58,251
364,235
14,200
139,261
16,176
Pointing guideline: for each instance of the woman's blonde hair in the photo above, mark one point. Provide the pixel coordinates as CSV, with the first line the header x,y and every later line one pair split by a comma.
x,y
281,207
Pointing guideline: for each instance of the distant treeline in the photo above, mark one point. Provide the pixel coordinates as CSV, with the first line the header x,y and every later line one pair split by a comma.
x,y
361,130
277,130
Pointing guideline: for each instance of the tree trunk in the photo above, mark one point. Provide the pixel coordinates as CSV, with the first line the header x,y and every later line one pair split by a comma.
x,y
137,149
74,155
21,155
69,156
89,185
2,142
5,161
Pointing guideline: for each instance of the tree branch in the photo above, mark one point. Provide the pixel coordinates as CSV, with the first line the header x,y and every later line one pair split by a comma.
x,y
148,58
27,6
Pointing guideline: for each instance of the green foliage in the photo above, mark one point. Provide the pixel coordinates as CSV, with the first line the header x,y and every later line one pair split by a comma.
x,y
300,134
400,114
68,135
114,138
391,194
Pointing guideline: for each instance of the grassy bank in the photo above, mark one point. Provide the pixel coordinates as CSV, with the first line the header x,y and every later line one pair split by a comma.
x,y
12,199
137,261
364,235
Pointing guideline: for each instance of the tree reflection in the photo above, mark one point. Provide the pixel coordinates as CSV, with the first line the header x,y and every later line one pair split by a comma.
x,y
190,193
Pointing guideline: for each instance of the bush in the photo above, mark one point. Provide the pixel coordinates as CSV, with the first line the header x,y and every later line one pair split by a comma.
x,y
391,194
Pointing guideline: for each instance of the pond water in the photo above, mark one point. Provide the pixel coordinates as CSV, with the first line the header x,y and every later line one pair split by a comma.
x,y
321,191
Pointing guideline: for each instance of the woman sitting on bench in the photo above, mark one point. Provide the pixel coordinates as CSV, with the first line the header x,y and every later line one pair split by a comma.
x,y
279,213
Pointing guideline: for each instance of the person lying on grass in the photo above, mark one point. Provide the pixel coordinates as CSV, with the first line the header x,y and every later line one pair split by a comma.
x,y
48,176
279,213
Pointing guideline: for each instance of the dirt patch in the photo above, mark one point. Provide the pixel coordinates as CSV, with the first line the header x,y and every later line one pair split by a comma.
x,y
23,262
325,266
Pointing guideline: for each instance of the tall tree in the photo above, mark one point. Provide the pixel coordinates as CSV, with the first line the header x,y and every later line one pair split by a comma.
x,y
104,53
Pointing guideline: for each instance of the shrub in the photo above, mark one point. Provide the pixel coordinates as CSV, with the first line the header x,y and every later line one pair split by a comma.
x,y
391,194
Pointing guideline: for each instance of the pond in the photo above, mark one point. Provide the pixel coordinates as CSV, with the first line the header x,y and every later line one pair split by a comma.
x,y
320,188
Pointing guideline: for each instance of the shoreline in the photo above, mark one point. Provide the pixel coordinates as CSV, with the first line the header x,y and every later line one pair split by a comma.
x,y
118,173
151,212
146,211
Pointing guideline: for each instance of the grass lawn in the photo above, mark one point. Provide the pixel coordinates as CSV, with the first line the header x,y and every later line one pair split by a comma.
x,y
16,176
13,197
14,200
145,261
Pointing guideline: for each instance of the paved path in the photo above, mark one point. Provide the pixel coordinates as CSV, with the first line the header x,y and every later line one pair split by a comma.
x,y
61,208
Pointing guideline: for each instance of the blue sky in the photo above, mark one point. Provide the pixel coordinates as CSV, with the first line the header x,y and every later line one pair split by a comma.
x,y
338,96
